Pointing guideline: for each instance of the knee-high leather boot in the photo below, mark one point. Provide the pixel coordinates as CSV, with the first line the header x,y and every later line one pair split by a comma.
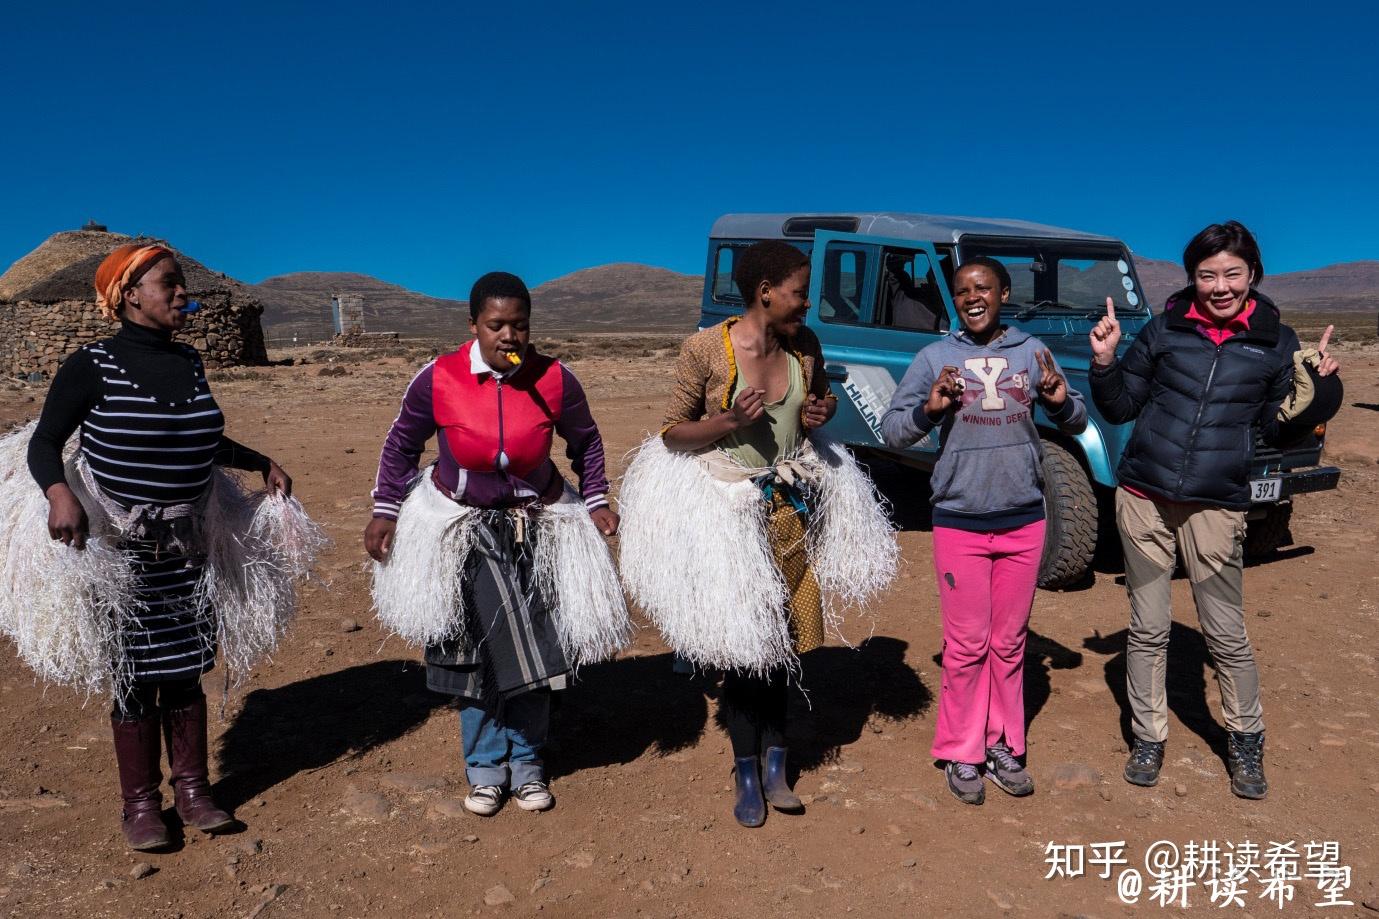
x,y
138,754
185,729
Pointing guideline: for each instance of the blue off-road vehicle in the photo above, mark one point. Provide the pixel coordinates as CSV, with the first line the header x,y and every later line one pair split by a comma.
x,y
879,293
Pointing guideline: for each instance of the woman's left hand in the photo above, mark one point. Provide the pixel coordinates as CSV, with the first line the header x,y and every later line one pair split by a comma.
x,y
278,480
606,520
1053,389
817,411
1328,364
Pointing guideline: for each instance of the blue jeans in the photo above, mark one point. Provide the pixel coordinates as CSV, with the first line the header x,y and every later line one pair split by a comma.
x,y
503,749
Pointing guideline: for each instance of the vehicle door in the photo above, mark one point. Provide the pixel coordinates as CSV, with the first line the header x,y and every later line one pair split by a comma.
x,y
875,302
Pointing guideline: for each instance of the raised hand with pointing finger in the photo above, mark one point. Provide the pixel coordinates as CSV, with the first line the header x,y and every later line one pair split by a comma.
x,y
1106,336
1327,364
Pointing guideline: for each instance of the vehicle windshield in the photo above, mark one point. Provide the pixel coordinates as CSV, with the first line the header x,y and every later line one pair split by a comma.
x,y
1061,277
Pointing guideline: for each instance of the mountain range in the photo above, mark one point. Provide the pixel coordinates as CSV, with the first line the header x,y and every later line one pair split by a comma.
x,y
640,298
619,297
623,297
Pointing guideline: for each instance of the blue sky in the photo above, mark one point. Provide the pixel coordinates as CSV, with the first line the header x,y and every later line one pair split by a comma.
x,y
426,144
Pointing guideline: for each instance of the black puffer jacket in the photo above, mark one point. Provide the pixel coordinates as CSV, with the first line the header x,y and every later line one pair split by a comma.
x,y
1197,405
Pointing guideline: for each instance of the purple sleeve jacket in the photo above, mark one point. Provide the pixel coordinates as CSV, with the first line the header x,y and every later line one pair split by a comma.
x,y
415,425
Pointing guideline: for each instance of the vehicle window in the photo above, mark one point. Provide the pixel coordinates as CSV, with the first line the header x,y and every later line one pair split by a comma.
x,y
1058,276
909,296
1088,282
724,288
845,274
1023,269
946,261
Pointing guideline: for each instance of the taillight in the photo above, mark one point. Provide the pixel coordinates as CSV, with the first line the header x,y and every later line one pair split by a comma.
x,y
1319,432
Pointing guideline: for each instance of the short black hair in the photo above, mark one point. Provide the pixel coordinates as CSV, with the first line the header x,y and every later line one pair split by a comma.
x,y
497,285
1232,237
770,260
992,265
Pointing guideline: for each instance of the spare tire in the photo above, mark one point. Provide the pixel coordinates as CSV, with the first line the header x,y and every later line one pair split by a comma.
x,y
1070,534
1265,536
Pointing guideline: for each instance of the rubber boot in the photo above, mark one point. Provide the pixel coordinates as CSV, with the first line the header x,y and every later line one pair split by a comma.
x,y
137,753
185,729
750,809
773,781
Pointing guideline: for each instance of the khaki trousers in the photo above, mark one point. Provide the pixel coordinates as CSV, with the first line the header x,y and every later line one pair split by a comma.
x,y
1211,542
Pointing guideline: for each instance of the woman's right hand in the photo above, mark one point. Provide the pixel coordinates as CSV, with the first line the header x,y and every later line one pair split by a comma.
x,y
378,538
945,392
748,407
1105,337
66,516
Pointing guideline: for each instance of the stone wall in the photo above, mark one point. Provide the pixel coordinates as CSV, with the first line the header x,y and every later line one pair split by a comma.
x,y
36,337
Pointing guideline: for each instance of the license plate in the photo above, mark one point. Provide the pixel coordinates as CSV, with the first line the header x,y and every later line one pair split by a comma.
x,y
1264,490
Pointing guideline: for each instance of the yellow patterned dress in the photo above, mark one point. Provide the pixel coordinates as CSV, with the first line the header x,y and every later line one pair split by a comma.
x,y
776,436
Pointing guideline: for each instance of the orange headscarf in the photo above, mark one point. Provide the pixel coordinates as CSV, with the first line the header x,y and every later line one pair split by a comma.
x,y
120,271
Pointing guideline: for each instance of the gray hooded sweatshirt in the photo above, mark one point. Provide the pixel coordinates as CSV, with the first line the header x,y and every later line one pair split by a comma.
x,y
989,474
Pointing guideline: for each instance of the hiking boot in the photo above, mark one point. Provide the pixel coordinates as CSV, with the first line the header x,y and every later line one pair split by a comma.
x,y
1146,759
1005,771
773,781
484,800
534,796
965,782
1247,765
750,808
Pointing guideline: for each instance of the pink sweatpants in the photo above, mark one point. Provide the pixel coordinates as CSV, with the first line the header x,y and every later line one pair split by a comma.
x,y
986,587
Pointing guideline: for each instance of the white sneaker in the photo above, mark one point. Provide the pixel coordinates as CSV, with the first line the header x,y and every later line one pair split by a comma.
x,y
534,796
485,800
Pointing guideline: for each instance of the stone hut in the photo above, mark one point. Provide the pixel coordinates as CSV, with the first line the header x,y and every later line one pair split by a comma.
x,y
48,307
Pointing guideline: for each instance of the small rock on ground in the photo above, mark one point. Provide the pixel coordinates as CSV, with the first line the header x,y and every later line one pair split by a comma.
x,y
365,805
412,784
498,895
1075,775
449,807
141,870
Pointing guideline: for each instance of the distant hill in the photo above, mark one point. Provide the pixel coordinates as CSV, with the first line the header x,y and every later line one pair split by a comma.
x,y
300,304
1348,286
620,297
625,296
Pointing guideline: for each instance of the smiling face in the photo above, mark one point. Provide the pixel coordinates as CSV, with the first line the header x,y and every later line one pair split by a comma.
x,y
1223,285
156,302
978,295
502,327
786,303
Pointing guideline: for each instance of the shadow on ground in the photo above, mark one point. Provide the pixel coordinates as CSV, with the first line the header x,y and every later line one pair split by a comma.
x,y
1186,682
311,723
618,710
851,690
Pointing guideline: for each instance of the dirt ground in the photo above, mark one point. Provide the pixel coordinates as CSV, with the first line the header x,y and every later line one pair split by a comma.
x,y
347,773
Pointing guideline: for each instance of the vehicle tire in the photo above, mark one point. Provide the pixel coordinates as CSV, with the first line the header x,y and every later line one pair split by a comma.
x,y
1264,537
1070,535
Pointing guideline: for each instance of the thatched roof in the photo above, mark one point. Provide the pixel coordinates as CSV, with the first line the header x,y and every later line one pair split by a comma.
x,y
64,268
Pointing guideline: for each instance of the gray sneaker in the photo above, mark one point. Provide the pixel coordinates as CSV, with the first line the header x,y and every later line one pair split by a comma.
x,y
1005,771
965,782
